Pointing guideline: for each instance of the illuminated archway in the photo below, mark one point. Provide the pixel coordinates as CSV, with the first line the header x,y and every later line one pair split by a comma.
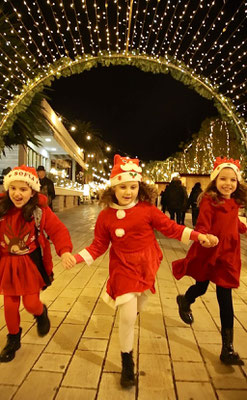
x,y
42,42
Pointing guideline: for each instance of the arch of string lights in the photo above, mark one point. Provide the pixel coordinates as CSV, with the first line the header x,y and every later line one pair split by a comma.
x,y
202,41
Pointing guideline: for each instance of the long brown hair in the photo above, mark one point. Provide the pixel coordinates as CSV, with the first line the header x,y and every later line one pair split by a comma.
x,y
27,210
240,194
146,193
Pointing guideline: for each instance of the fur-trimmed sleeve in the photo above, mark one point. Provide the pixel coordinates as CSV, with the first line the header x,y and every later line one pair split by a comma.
x,y
168,227
100,242
204,220
242,228
57,231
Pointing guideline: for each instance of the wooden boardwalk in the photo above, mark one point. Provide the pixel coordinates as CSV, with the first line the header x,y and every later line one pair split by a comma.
x,y
80,357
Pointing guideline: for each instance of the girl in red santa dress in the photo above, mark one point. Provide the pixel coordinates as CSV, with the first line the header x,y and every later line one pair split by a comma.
x,y
219,207
128,222
24,216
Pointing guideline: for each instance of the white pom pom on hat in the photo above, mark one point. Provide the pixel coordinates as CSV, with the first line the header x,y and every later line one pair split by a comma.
x,y
25,174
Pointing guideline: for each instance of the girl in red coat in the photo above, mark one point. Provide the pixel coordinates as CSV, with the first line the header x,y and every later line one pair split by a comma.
x,y
128,222
221,265
24,215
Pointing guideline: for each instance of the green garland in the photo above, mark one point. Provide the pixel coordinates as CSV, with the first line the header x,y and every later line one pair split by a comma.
x,y
179,71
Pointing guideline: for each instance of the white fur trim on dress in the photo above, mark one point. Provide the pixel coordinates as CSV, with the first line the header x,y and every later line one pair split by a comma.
x,y
118,207
185,238
86,256
124,298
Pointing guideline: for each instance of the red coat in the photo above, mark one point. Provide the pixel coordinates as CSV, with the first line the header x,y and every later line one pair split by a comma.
x,y
220,264
135,255
18,274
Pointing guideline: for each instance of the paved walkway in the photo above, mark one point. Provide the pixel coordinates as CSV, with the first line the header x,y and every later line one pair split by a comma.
x,y
80,358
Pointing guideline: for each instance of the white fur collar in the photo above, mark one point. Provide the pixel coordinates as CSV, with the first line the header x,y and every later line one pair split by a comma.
x,y
118,207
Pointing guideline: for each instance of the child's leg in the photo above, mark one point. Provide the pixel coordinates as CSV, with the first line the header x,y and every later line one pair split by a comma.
x,y
33,305
11,313
184,301
228,355
196,290
224,297
141,301
12,317
127,318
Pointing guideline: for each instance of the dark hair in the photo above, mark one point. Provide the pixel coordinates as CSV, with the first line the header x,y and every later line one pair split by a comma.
x,y
146,192
40,168
27,210
240,194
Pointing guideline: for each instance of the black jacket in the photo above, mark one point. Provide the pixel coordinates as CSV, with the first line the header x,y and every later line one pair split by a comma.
x,y
47,188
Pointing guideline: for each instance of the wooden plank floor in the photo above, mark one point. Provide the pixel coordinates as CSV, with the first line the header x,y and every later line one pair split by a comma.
x,y
80,358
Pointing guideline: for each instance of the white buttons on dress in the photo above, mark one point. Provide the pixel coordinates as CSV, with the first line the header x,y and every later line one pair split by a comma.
x,y
120,214
119,232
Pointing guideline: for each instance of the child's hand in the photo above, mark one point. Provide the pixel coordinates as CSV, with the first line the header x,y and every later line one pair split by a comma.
x,y
68,260
213,239
207,240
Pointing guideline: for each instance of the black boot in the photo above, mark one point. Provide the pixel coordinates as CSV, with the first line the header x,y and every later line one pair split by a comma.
x,y
184,309
127,375
43,322
228,356
13,344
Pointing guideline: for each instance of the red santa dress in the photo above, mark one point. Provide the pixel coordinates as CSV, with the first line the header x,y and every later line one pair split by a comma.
x,y
135,255
220,264
18,238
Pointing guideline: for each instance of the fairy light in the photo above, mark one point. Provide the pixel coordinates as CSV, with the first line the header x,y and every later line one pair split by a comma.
x,y
202,40
215,45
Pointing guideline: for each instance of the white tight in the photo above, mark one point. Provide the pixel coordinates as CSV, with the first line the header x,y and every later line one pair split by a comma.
x,y
127,318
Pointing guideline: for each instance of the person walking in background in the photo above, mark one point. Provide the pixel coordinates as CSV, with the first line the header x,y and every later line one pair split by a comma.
x,y
163,199
127,223
46,185
174,199
25,216
185,205
192,201
221,265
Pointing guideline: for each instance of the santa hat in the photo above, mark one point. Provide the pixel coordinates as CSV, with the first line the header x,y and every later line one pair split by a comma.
x,y
125,170
221,163
25,174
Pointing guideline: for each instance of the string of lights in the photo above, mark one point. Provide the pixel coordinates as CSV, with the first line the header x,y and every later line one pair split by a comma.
x,y
203,41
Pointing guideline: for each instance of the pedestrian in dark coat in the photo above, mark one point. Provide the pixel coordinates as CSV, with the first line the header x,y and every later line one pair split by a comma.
x,y
192,201
46,185
173,199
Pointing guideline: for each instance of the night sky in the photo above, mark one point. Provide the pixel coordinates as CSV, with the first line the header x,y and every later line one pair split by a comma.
x,y
139,113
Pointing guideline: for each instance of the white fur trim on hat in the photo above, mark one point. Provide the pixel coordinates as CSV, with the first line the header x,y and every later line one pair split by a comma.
x,y
217,170
126,177
25,174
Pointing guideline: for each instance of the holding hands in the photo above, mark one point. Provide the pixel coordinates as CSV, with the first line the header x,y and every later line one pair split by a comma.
x,y
68,260
208,240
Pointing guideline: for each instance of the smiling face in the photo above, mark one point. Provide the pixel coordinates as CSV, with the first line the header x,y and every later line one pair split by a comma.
x,y
126,192
20,193
226,182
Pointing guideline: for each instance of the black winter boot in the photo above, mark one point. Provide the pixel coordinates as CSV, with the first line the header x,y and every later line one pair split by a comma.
x,y
43,322
184,309
127,375
13,344
228,356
